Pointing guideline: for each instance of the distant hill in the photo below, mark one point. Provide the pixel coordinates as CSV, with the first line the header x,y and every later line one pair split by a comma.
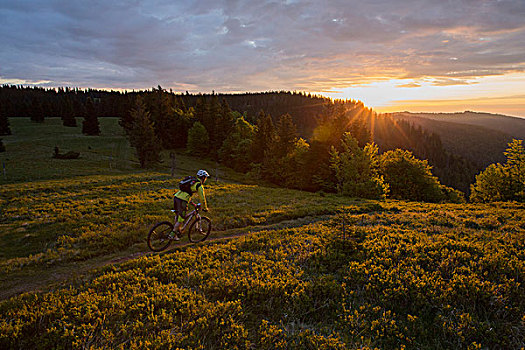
x,y
479,137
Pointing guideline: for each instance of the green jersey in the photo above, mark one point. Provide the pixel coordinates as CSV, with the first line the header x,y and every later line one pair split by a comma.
x,y
196,187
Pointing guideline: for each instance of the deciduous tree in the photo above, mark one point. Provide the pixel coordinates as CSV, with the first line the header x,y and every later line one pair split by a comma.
x,y
357,170
234,150
409,178
502,182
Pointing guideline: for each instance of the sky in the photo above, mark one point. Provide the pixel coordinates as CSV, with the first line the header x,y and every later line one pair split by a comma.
x,y
394,55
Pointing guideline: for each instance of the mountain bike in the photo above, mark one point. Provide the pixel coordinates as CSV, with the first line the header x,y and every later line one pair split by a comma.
x,y
162,234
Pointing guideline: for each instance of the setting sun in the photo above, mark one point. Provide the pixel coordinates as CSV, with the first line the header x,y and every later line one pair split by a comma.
x,y
495,94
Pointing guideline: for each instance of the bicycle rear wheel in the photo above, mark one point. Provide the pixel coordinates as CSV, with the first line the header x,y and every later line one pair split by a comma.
x,y
158,237
199,229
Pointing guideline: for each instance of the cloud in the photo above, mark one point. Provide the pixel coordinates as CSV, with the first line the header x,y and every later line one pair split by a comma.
x,y
409,85
450,82
240,45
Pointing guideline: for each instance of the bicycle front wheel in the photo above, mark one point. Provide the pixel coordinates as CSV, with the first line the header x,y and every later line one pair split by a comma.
x,y
158,237
199,229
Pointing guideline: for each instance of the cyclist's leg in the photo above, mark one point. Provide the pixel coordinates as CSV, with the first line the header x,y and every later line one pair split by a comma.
x,y
180,208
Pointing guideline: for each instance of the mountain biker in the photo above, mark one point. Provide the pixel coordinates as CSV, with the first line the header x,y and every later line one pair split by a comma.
x,y
182,198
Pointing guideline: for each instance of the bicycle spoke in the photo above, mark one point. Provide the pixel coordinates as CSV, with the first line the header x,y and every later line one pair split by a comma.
x,y
199,230
158,238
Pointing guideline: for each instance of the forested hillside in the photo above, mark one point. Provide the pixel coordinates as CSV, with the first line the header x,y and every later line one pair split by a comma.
x,y
479,137
319,121
513,126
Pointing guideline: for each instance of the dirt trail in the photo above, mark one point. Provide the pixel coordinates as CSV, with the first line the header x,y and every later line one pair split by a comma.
x,y
52,277
172,247
49,278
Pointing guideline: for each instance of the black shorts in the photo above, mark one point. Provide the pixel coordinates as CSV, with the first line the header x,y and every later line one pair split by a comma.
x,y
180,206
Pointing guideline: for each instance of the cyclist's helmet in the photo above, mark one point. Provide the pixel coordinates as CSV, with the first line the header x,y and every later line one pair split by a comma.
x,y
202,173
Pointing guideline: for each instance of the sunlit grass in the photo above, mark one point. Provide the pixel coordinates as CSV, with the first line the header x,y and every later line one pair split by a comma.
x,y
407,275
310,270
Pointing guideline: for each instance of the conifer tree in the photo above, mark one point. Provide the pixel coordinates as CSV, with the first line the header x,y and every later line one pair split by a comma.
x,y
68,113
294,163
515,154
317,172
4,123
36,111
198,140
264,136
201,107
126,120
286,132
90,125
79,110
142,135
211,119
162,106
181,124
226,120
276,165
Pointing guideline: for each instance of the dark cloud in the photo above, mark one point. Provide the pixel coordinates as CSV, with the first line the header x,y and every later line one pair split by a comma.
x,y
234,45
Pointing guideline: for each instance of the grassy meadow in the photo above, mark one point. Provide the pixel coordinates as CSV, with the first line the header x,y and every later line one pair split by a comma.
x,y
298,271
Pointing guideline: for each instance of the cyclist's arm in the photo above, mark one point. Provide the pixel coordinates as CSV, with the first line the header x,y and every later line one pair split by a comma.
x,y
202,197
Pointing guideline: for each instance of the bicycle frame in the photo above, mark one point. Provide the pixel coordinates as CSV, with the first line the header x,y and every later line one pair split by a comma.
x,y
161,234
189,217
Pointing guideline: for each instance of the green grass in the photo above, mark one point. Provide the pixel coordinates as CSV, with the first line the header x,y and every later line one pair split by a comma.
x,y
76,219
30,148
63,217
408,275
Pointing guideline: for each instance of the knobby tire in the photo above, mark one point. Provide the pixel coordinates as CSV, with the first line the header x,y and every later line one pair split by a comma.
x,y
198,234
158,239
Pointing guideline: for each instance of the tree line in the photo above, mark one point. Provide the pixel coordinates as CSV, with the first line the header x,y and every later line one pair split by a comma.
x,y
292,139
339,156
39,104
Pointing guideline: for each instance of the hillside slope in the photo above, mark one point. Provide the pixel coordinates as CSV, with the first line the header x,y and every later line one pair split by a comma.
x,y
300,270
479,137
395,275
512,126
